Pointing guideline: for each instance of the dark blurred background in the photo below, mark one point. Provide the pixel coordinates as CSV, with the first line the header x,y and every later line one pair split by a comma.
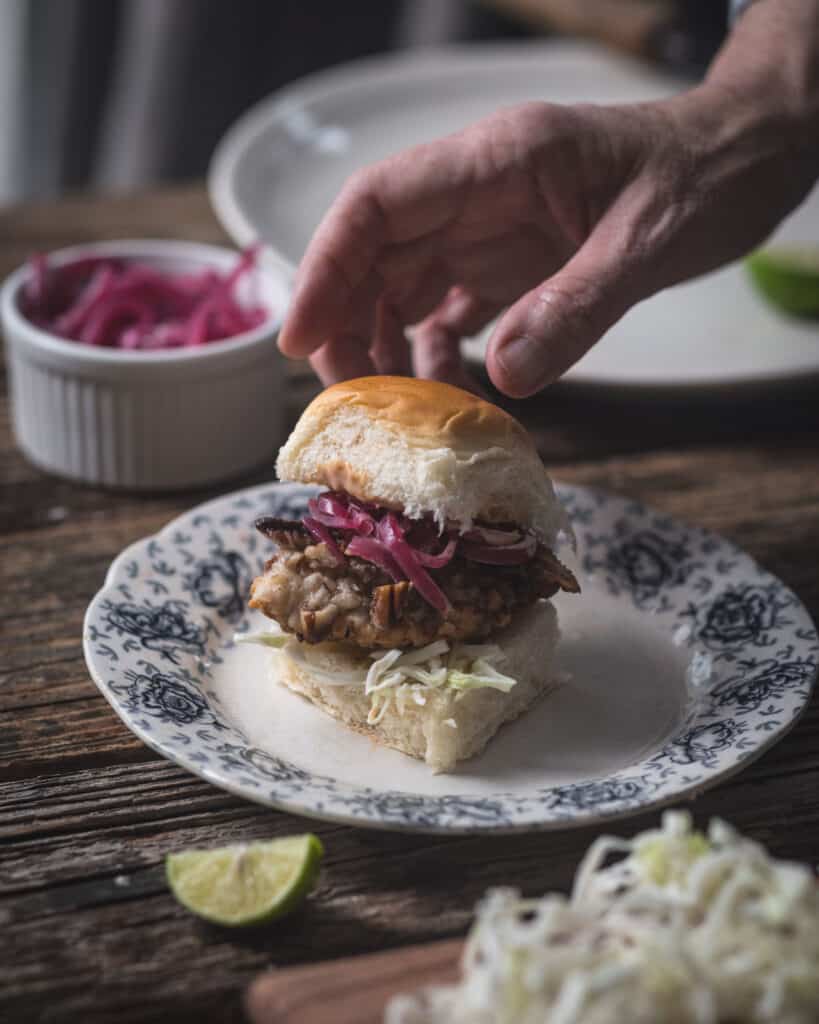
x,y
114,95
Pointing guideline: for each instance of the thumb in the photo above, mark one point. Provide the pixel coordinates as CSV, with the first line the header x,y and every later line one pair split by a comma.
x,y
552,326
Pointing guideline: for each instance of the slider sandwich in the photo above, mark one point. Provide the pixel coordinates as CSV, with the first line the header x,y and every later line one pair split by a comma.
x,y
412,601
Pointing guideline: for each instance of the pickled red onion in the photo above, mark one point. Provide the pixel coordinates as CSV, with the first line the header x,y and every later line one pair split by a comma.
x,y
401,546
392,536
375,551
443,557
323,536
332,510
113,303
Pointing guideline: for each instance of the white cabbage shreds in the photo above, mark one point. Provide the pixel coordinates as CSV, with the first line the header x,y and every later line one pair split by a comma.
x,y
681,929
399,677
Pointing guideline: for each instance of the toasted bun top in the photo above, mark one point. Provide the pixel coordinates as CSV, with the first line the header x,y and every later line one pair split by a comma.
x,y
429,409
422,447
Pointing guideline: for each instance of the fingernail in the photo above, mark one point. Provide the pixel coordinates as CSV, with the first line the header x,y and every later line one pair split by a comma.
x,y
522,364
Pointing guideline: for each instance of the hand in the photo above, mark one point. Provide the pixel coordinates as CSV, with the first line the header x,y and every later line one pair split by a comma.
x,y
569,214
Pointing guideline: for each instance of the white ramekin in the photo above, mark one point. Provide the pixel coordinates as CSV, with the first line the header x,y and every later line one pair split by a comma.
x,y
148,420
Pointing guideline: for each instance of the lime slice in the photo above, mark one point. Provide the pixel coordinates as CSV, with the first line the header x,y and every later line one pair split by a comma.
x,y
248,884
789,278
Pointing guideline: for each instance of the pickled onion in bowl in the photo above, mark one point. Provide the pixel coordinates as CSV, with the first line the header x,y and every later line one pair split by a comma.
x,y
115,303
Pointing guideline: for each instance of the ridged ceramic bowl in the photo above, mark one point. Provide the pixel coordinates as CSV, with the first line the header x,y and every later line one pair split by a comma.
x,y
148,420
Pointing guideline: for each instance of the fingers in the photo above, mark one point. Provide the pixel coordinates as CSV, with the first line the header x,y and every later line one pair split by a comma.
x,y
436,355
403,198
337,275
379,345
555,324
436,347
390,350
342,358
347,349
464,313
419,293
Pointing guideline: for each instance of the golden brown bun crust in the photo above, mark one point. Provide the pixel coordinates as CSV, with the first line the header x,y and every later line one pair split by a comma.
x,y
427,408
424,448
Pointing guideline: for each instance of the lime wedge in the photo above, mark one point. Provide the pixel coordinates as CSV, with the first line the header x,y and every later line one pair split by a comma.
x,y
247,884
788,278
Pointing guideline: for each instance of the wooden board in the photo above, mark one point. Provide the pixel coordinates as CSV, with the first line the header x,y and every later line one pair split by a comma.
x,y
354,990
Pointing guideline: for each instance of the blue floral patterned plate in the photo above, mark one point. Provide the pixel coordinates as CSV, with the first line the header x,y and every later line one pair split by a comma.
x,y
680,662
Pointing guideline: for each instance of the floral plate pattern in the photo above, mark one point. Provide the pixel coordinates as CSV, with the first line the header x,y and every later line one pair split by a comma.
x,y
158,631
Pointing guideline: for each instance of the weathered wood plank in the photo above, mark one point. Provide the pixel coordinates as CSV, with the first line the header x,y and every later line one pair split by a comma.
x,y
65,909
350,991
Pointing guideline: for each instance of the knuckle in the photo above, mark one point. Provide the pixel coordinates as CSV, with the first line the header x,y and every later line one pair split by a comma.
x,y
358,185
359,201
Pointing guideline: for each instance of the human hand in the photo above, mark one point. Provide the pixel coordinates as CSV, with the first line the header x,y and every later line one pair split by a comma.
x,y
569,214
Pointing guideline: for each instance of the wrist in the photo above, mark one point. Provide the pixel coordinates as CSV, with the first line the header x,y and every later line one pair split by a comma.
x,y
749,155
766,77
747,119
758,108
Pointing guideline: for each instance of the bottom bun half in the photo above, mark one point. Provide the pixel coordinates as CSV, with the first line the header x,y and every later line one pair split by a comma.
x,y
451,726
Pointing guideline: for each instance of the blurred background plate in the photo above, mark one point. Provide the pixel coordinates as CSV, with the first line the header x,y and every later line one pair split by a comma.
x,y
280,166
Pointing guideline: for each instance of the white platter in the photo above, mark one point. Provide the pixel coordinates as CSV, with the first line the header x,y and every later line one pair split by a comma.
x,y
684,661
280,166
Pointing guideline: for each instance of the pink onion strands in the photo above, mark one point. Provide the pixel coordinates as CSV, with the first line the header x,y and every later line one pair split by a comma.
x,y
438,561
401,546
114,303
323,536
332,510
379,554
391,534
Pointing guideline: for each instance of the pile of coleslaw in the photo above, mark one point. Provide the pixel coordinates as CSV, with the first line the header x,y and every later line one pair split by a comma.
x,y
399,678
682,929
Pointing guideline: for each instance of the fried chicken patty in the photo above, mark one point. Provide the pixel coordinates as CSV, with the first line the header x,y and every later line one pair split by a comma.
x,y
311,595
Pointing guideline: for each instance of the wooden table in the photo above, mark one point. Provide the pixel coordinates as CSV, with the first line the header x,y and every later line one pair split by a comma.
x,y
89,930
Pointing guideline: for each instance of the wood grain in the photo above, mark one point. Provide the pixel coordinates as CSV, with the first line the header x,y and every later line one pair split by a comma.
x,y
87,813
349,991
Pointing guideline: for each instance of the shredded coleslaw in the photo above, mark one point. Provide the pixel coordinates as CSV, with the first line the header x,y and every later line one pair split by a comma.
x,y
682,929
396,678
